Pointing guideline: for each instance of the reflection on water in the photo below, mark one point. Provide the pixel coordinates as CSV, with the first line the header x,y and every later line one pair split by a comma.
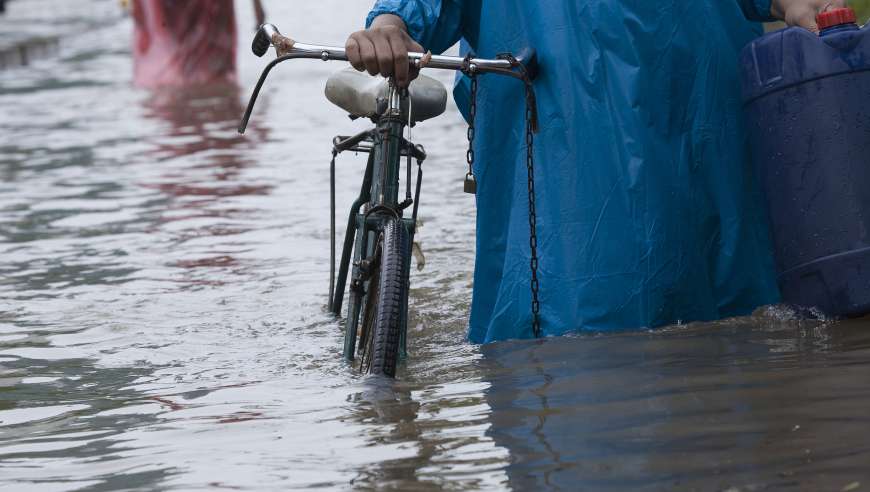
x,y
754,403
202,122
207,115
162,301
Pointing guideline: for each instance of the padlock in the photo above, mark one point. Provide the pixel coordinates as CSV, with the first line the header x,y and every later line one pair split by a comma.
x,y
470,184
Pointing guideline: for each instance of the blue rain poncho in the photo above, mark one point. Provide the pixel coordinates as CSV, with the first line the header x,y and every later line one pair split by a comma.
x,y
648,210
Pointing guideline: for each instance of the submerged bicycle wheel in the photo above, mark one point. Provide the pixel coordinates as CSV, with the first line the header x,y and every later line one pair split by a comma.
x,y
385,299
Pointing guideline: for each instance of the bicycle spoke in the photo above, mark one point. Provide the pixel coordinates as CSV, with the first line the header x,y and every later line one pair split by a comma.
x,y
367,327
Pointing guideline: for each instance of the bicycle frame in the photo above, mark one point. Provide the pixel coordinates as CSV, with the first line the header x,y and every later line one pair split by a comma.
x,y
380,190
380,186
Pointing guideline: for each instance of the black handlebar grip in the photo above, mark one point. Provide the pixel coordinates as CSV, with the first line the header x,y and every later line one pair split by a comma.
x,y
529,58
263,39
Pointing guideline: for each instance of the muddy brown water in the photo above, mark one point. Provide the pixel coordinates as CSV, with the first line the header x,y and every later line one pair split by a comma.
x,y
163,291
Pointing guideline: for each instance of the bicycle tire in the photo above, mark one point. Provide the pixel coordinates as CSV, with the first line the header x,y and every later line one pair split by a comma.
x,y
392,284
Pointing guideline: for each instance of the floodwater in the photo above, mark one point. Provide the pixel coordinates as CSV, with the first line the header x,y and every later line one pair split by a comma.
x,y
163,296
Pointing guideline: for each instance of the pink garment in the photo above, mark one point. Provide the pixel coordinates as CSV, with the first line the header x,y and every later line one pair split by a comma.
x,y
180,42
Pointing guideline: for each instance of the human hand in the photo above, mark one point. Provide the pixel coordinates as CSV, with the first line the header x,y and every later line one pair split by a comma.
x,y
803,13
383,49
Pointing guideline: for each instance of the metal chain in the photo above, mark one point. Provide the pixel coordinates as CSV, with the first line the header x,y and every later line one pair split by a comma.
x,y
533,238
470,185
472,110
531,129
470,180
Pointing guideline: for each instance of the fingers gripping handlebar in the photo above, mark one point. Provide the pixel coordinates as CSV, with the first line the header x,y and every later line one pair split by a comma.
x,y
268,35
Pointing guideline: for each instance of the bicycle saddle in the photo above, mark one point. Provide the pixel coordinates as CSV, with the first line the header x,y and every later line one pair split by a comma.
x,y
357,92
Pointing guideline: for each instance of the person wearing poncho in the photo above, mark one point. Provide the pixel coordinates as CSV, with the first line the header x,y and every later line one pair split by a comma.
x,y
184,42
648,211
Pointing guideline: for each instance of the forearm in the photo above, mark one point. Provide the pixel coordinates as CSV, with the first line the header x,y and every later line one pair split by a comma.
x,y
388,20
259,13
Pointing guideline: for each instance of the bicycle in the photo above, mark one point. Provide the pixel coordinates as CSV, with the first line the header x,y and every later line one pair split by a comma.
x,y
380,237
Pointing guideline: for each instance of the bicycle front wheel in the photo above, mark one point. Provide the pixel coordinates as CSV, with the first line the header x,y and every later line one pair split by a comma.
x,y
382,318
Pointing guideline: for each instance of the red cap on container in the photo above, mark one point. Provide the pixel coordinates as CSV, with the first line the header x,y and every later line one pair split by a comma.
x,y
836,17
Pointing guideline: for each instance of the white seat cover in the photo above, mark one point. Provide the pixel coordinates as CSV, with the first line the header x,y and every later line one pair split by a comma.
x,y
357,92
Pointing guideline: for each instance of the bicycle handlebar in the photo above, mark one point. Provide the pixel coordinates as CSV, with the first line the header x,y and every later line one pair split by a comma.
x,y
527,56
266,37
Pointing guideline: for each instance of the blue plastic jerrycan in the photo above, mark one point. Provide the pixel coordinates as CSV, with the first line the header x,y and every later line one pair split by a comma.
x,y
807,100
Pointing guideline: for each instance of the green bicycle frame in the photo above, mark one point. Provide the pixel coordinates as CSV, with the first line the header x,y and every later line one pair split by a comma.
x,y
363,229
